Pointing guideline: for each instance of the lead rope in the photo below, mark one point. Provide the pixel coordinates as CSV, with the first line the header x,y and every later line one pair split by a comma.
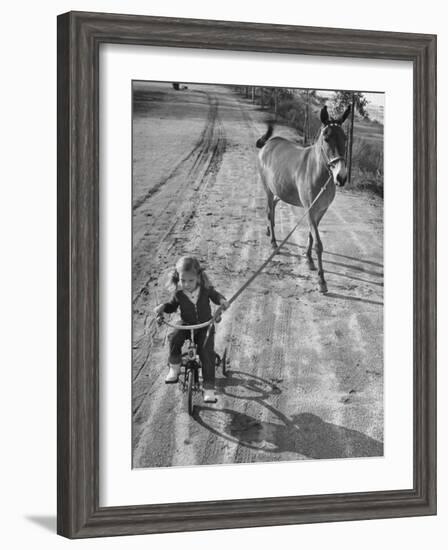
x,y
268,259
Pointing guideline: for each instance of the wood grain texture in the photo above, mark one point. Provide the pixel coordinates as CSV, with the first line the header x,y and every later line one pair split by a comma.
x,y
79,37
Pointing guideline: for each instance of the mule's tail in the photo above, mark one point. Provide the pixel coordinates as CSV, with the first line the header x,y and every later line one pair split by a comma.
x,y
262,141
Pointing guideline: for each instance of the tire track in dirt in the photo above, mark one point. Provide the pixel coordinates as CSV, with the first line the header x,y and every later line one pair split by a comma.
x,y
202,173
196,152
205,164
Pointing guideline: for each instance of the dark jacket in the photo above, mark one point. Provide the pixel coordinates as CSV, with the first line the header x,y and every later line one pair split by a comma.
x,y
192,314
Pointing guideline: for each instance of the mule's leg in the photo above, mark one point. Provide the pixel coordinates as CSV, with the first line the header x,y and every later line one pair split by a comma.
x,y
319,249
268,214
272,202
273,239
309,247
269,199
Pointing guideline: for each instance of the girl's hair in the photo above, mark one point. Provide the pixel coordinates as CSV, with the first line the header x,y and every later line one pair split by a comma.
x,y
190,265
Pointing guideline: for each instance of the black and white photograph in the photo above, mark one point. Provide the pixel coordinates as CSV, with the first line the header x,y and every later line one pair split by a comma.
x,y
257,274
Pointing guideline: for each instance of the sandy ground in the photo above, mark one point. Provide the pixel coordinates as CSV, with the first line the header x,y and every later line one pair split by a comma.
x,y
306,369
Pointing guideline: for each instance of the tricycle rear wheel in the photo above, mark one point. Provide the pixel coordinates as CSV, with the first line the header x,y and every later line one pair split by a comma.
x,y
190,390
224,362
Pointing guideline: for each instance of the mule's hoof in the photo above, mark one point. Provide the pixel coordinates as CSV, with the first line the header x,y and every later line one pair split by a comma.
x,y
310,264
323,287
274,245
268,232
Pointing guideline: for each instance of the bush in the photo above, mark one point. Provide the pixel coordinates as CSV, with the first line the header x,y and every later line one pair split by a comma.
x,y
368,165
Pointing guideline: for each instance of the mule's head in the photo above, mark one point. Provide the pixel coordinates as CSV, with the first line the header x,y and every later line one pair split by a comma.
x,y
333,145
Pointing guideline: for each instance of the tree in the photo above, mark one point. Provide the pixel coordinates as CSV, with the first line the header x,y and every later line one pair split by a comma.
x,y
308,96
341,100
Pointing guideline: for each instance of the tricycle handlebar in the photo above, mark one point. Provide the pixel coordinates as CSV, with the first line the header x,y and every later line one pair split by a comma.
x,y
188,327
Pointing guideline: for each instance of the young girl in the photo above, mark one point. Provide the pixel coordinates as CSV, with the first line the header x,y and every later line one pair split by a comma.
x,y
192,294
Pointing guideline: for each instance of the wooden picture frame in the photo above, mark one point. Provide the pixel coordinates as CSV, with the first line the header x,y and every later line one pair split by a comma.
x,y
79,38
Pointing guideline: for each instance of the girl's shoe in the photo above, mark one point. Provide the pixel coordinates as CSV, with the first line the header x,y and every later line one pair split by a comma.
x,y
173,374
209,396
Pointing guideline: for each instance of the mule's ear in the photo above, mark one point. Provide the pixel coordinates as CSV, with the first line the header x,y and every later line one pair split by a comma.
x,y
345,115
324,115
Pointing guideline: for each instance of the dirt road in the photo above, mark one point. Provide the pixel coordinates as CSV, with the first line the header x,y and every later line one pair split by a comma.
x,y
306,369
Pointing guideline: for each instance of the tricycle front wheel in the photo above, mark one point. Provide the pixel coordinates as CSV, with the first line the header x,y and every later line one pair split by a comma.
x,y
190,384
224,362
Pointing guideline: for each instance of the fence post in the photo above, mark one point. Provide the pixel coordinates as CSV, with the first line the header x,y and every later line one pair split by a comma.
x,y
350,143
306,126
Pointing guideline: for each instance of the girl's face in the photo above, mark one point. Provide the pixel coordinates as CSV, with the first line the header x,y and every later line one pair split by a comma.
x,y
189,280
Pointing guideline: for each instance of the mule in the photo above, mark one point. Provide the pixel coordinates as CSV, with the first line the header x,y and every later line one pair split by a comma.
x,y
295,174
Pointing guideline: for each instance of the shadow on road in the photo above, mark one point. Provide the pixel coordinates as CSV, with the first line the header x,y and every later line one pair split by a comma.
x,y
359,260
377,276
242,385
304,434
358,268
351,277
355,268
352,298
